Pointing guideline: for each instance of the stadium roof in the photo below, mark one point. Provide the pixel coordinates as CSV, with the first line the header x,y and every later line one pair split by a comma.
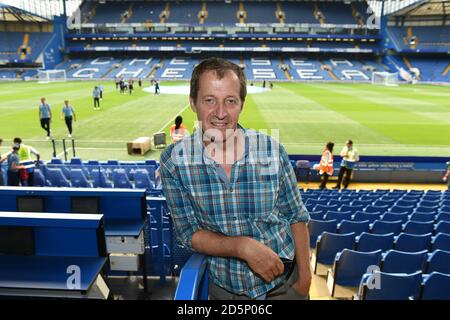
x,y
10,13
426,8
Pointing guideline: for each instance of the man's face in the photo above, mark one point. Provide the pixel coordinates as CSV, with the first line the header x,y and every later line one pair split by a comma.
x,y
43,101
218,104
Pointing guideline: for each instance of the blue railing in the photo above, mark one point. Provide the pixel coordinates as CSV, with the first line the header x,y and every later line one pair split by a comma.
x,y
193,283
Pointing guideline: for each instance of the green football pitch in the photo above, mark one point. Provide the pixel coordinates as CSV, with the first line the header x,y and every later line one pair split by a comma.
x,y
392,121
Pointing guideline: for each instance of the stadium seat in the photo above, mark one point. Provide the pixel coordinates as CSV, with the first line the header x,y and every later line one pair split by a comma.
x,y
329,244
311,203
395,217
396,286
121,180
56,178
381,203
376,209
142,180
401,209
436,286
316,228
443,216
444,209
39,179
363,216
423,209
363,203
368,242
429,203
338,203
349,267
78,179
411,242
325,208
441,241
439,261
442,226
415,227
406,203
351,208
384,227
99,179
76,160
56,161
338,216
315,215
395,261
348,226
422,217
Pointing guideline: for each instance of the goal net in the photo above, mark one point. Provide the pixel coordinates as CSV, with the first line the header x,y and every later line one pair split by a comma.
x,y
385,78
46,76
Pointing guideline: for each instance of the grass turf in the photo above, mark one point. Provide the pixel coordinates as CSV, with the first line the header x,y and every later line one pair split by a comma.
x,y
404,120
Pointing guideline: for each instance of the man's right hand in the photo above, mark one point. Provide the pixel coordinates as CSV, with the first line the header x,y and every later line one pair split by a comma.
x,y
261,259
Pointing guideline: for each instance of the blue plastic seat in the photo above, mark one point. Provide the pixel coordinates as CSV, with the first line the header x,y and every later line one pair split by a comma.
x,y
436,286
142,180
312,203
78,179
363,216
385,227
347,226
395,217
99,179
395,261
349,267
439,261
406,203
338,203
393,286
441,241
429,203
444,209
315,215
368,242
338,216
325,208
56,161
76,160
415,227
401,209
329,244
376,209
424,209
412,242
39,179
351,208
363,203
56,177
422,217
121,179
443,216
442,227
382,203
316,228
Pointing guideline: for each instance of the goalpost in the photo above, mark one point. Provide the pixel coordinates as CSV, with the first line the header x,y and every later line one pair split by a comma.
x,y
47,76
385,78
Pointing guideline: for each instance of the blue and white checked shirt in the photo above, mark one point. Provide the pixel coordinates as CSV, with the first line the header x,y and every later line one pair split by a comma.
x,y
260,201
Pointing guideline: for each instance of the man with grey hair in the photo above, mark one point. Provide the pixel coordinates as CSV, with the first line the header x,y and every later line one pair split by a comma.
x,y
233,195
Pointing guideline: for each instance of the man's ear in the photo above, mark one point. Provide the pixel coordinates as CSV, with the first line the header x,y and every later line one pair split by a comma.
x,y
192,103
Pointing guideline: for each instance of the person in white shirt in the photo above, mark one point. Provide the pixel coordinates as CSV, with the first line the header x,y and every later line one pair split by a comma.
x,y
349,156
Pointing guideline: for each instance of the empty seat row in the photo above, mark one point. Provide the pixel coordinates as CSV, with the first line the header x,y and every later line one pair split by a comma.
x,y
328,244
350,266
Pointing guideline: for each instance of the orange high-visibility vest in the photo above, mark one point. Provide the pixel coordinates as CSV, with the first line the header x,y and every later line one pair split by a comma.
x,y
178,134
326,162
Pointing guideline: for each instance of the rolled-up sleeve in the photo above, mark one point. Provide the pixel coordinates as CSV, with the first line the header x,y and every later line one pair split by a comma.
x,y
289,200
183,216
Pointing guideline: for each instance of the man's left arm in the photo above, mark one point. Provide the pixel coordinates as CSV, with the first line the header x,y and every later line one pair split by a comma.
x,y
301,240
292,207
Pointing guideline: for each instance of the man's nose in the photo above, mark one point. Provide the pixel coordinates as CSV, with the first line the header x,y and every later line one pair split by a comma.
x,y
221,110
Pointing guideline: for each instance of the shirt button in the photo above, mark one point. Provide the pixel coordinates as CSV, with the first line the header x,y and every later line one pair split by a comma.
x,y
231,189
